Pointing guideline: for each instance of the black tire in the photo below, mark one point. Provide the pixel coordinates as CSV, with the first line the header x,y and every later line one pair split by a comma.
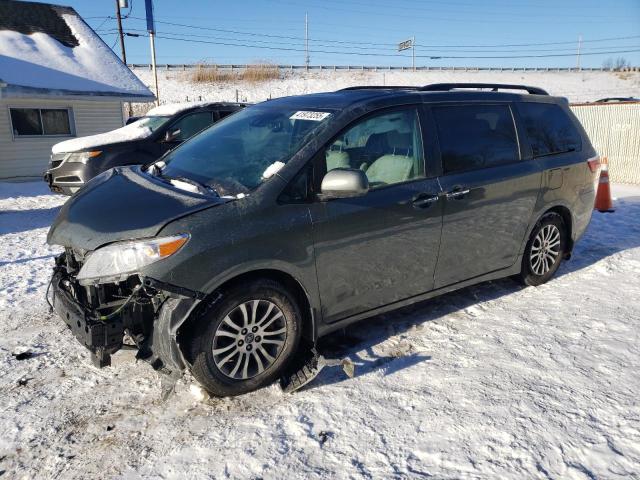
x,y
204,367
528,275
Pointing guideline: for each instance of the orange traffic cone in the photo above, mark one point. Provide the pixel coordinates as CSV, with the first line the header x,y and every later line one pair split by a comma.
x,y
604,203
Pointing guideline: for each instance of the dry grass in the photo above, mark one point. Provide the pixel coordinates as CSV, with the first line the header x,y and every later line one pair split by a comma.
x,y
624,75
261,72
258,72
211,74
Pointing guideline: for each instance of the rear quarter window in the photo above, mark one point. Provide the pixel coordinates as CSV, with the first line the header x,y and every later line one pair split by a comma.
x,y
472,137
549,129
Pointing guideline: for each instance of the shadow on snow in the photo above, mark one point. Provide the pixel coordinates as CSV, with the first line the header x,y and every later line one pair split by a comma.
x,y
16,221
606,235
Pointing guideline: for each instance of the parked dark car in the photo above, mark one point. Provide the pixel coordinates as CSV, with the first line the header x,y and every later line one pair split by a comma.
x,y
234,253
74,162
618,100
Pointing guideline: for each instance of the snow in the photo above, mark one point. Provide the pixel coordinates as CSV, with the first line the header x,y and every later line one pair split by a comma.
x,y
493,381
184,186
272,169
134,131
173,108
176,86
40,61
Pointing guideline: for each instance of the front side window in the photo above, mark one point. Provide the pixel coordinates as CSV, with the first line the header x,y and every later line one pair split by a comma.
x,y
475,136
240,152
549,128
387,147
190,124
40,122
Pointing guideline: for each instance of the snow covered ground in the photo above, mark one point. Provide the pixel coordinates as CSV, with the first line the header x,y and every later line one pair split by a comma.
x,y
176,86
493,381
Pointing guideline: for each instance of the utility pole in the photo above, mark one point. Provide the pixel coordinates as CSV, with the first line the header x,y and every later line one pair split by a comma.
x,y
151,29
306,41
119,18
413,53
122,4
579,46
153,66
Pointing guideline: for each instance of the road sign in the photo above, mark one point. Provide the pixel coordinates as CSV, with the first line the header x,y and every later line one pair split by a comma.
x,y
149,10
406,45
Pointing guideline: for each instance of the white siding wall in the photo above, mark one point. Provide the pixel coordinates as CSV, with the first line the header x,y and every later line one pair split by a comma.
x,y
28,157
614,130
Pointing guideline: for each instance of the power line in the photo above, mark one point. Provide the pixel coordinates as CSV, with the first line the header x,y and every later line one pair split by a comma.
x,y
333,41
433,57
388,13
571,42
493,14
223,30
106,19
272,43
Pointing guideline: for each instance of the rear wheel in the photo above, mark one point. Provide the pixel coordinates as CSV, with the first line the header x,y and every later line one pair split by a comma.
x,y
244,343
544,251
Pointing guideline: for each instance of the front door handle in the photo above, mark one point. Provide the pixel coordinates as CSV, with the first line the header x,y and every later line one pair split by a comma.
x,y
423,200
456,194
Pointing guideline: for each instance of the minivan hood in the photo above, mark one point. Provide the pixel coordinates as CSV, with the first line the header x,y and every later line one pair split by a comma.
x,y
122,204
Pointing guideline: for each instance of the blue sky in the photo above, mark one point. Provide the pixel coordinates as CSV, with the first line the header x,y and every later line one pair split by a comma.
x,y
274,31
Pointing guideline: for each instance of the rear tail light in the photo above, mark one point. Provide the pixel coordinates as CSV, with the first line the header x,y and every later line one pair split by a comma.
x,y
594,164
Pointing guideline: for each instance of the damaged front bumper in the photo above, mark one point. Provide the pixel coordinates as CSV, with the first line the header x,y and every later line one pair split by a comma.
x,y
148,311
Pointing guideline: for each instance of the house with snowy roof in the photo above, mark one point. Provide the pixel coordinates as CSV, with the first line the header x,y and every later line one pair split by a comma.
x,y
58,79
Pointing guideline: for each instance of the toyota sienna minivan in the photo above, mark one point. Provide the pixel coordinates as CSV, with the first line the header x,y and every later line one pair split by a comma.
x,y
232,254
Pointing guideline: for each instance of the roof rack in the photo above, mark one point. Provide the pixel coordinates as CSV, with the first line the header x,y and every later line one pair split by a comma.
x,y
381,87
445,87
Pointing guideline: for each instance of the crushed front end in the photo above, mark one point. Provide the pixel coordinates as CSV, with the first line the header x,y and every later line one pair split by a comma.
x,y
100,315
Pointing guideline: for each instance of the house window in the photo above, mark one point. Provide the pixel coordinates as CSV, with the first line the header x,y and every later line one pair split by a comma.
x,y
28,122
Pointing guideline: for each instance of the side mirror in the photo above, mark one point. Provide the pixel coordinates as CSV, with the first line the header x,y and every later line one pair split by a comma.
x,y
171,135
344,183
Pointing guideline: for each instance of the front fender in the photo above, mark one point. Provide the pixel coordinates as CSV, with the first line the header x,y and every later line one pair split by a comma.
x,y
243,236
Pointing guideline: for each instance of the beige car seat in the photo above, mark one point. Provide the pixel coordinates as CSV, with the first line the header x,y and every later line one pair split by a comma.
x,y
337,159
390,169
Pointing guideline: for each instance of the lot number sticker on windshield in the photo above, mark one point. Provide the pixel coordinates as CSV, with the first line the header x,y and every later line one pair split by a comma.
x,y
309,115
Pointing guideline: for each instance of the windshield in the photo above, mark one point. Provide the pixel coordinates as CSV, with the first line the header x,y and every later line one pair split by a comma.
x,y
237,154
152,123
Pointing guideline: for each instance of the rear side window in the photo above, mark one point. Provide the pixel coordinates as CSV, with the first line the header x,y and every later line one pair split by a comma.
x,y
549,128
475,136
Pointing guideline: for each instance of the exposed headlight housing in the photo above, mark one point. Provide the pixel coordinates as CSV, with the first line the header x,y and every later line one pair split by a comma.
x,y
82,157
118,261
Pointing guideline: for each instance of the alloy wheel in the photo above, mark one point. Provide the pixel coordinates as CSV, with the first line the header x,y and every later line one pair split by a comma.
x,y
545,249
249,339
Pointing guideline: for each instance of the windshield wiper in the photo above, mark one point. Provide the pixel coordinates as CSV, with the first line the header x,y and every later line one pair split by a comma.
x,y
202,188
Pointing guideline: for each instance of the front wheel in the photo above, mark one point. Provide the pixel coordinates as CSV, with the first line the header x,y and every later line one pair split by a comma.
x,y
244,343
544,251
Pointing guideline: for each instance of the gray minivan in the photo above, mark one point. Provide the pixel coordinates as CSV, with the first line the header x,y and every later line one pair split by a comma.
x,y
232,254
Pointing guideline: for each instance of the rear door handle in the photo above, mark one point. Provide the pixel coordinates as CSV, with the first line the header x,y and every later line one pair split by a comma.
x,y
423,200
455,194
